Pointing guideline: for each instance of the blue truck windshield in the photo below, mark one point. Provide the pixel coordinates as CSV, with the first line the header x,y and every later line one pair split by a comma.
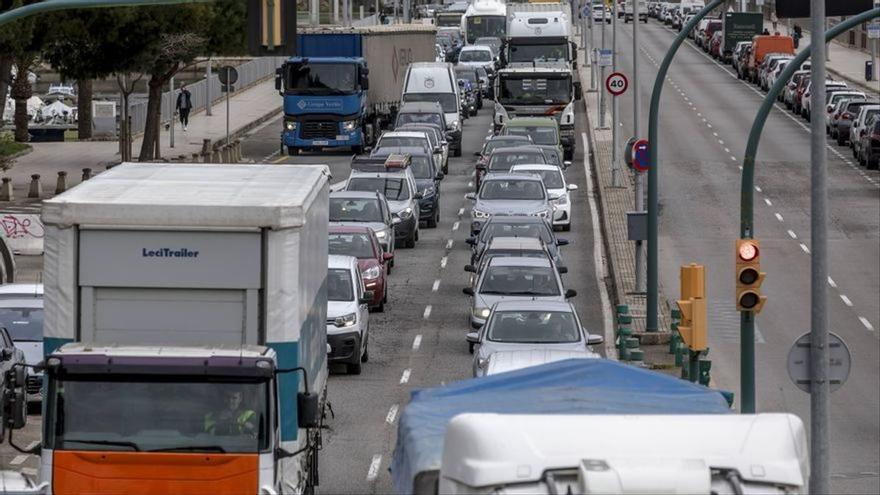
x,y
322,78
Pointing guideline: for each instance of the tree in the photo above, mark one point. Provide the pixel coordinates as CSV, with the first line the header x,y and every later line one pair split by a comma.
x,y
21,42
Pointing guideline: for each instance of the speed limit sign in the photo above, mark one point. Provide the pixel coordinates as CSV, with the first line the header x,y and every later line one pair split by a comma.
x,y
616,83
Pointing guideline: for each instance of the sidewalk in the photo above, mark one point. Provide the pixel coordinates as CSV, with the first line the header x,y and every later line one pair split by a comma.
x,y
248,108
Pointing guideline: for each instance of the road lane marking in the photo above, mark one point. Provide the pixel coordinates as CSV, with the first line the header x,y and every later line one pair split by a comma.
x,y
279,159
19,459
470,184
732,157
758,189
460,211
866,323
726,150
792,234
805,248
598,259
443,262
417,342
768,202
392,414
374,467
405,376
715,134
427,312
456,225
832,283
436,285
846,300
449,244
779,217
29,471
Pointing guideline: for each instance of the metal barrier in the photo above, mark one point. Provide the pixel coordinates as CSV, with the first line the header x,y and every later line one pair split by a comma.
x,y
248,73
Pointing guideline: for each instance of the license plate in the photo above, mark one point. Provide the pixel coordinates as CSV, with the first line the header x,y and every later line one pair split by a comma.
x,y
320,143
341,137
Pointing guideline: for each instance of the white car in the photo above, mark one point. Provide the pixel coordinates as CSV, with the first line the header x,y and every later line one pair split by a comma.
x,y
557,188
21,313
477,56
860,123
348,316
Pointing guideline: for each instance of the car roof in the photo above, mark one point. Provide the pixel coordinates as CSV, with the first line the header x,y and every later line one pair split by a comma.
x,y
341,261
516,149
396,133
516,243
349,229
21,289
535,166
420,107
355,194
474,48
519,261
508,219
504,137
399,150
492,177
421,126
534,305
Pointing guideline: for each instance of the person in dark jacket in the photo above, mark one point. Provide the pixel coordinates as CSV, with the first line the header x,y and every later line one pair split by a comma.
x,y
184,105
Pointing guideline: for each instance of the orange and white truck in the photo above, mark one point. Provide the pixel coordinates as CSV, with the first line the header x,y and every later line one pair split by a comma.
x,y
762,45
185,330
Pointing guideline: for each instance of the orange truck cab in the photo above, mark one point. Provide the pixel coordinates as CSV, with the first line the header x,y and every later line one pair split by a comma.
x,y
763,44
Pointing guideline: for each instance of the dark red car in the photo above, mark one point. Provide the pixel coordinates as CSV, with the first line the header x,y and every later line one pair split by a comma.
x,y
362,243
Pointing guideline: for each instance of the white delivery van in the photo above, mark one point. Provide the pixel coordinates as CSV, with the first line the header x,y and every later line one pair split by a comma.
x,y
623,454
436,81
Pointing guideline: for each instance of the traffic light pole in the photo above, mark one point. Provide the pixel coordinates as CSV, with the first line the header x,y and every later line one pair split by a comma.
x,y
651,324
747,198
56,5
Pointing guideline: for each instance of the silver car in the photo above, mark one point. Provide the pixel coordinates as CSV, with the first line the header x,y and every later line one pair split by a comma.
x,y
21,314
365,208
515,279
528,325
509,194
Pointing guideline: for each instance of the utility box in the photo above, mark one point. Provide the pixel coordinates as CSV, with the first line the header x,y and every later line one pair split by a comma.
x,y
869,70
637,225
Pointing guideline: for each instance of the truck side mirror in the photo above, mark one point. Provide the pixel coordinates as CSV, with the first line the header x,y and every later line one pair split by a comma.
x,y
578,91
307,410
365,82
278,72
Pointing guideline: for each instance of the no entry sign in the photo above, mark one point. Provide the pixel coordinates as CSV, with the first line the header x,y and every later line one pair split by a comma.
x,y
616,83
640,155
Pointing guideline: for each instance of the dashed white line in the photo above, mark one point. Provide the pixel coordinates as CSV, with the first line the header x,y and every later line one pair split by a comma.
x,y
846,300
726,150
768,202
758,189
19,459
374,467
417,342
443,262
470,184
436,285
392,414
715,134
29,471
792,234
721,142
732,157
449,244
805,248
405,376
427,312
460,211
779,217
832,283
866,323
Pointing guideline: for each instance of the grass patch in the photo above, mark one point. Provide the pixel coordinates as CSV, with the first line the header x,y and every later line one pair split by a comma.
x,y
9,148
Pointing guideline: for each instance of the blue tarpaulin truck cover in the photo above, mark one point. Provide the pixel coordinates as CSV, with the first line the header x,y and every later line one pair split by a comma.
x,y
573,386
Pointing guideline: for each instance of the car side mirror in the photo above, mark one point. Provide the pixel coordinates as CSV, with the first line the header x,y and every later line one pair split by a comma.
x,y
572,187
473,338
468,291
440,176
387,256
470,268
471,241
471,196
570,293
438,149
418,195
578,91
562,269
5,354
477,153
396,221
594,339
367,298
562,242
566,164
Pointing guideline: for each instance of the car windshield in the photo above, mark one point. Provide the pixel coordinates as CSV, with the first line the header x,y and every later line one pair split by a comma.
x,y
499,229
467,75
539,135
23,324
322,78
401,142
419,118
339,287
511,189
358,245
552,178
168,413
394,189
535,91
533,327
355,210
520,280
501,162
421,167
494,144
447,101
475,56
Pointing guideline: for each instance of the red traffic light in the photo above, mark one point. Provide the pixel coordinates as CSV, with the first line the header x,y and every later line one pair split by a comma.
x,y
748,251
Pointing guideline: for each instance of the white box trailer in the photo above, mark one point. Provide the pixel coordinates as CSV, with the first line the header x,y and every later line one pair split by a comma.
x,y
625,454
159,263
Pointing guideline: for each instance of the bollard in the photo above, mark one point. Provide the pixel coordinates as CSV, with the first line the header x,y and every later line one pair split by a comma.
x,y
238,155
6,190
680,352
61,182
215,156
674,339
227,154
635,355
36,189
676,314
624,319
705,366
622,309
87,174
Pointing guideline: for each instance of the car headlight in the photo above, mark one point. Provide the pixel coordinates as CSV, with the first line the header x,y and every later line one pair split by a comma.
x,y
381,234
561,200
290,125
405,213
481,313
349,125
428,192
456,125
346,320
371,273
480,214
543,213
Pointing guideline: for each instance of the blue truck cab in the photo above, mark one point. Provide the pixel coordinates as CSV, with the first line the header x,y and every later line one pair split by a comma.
x,y
324,101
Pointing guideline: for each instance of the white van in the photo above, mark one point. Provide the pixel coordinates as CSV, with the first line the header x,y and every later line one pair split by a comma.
x,y
435,81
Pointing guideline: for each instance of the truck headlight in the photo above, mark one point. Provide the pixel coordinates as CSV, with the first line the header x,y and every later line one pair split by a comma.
x,y
346,320
405,213
349,125
479,214
290,125
371,273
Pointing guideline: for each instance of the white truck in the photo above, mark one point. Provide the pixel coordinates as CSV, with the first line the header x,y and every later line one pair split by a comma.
x,y
625,454
538,34
185,310
629,11
484,18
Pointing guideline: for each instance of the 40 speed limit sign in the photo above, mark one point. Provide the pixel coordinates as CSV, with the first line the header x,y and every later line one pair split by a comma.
x,y
616,83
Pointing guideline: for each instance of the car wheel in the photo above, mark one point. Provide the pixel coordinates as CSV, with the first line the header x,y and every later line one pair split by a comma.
x,y
357,150
354,368
411,242
872,163
568,154
566,227
456,153
366,357
470,347
435,218
840,139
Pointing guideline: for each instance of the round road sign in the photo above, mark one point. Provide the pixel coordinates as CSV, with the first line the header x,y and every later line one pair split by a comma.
x,y
616,83
640,155
839,362
228,74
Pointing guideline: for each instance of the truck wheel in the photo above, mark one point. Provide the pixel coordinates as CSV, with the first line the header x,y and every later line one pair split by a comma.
x,y
457,151
292,150
568,154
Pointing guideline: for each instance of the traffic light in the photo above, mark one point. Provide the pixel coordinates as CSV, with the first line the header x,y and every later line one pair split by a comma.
x,y
749,276
693,327
271,27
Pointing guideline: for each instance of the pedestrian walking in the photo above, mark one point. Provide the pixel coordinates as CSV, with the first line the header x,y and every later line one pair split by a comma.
x,y
798,34
774,20
184,105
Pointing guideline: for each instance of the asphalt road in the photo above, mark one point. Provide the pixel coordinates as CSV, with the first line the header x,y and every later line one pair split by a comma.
x,y
419,341
705,116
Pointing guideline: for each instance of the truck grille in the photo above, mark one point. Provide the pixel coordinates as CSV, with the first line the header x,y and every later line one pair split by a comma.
x,y
318,129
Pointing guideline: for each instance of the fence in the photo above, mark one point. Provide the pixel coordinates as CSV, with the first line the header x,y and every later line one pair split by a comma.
x,y
248,73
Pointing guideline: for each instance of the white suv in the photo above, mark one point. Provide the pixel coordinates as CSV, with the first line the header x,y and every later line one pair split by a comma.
x,y
348,315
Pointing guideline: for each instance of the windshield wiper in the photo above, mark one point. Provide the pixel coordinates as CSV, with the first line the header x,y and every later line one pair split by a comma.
x,y
530,293
192,448
115,443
